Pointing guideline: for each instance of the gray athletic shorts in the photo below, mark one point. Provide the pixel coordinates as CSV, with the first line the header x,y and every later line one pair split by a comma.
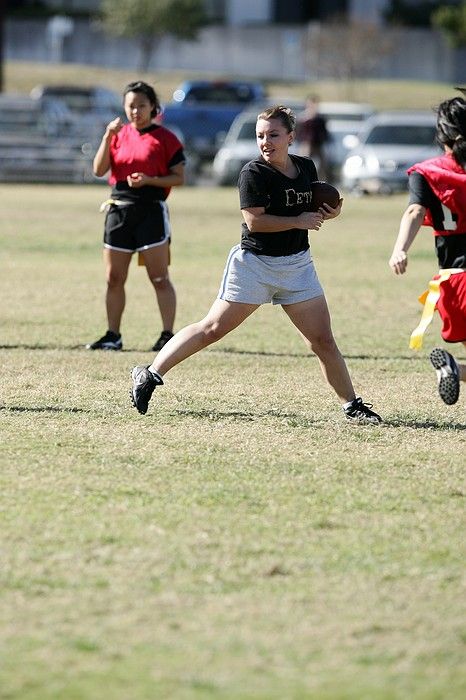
x,y
260,279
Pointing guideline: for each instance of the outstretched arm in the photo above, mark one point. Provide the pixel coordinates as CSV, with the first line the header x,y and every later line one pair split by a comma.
x,y
410,224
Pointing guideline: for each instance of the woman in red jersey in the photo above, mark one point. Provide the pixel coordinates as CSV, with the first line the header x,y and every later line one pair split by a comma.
x,y
438,199
145,161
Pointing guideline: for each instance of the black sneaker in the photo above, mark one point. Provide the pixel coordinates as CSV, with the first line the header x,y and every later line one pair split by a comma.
x,y
144,383
165,336
448,375
109,341
360,412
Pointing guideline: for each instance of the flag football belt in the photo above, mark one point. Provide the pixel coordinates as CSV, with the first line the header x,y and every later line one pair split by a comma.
x,y
430,298
117,202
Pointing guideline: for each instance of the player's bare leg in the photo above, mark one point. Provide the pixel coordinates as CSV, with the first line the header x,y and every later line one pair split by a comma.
x,y
223,317
312,319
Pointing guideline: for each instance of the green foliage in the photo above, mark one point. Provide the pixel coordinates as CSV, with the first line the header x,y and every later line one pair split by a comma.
x,y
181,18
151,19
452,22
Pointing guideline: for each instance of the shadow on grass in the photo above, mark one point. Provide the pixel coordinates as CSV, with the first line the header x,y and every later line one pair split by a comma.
x,y
224,351
42,409
50,346
41,346
300,421
292,419
423,424
305,355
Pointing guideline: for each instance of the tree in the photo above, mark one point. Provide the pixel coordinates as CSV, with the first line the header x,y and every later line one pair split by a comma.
x,y
348,51
150,20
452,22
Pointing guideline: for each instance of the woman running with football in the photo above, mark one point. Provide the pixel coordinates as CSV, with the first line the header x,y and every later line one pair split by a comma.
x,y
145,161
272,264
438,199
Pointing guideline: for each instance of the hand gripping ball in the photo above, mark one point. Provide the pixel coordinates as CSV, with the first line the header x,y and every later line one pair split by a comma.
x,y
324,193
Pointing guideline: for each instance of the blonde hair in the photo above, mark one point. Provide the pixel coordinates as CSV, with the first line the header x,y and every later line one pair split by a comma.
x,y
284,114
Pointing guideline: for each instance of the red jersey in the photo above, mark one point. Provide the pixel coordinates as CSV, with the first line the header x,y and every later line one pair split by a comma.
x,y
447,180
151,152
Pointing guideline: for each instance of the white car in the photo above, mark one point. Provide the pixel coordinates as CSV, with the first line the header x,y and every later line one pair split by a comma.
x,y
240,146
343,119
356,112
387,146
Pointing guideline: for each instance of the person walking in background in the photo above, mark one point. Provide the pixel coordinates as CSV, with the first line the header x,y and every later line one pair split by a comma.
x,y
272,264
145,161
438,199
313,135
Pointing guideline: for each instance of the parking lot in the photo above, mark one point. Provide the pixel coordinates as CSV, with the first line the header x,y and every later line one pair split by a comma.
x,y
52,134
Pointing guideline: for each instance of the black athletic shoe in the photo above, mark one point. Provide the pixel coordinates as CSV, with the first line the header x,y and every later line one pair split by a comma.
x,y
448,375
360,412
165,336
144,383
109,341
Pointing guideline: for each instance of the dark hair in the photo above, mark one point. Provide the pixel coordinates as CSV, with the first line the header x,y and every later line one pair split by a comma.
x,y
451,127
284,114
148,91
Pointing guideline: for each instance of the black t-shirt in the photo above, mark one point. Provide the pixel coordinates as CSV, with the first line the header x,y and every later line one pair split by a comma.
x,y
450,249
261,185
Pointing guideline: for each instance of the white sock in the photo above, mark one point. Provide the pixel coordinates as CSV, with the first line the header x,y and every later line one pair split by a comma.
x,y
155,374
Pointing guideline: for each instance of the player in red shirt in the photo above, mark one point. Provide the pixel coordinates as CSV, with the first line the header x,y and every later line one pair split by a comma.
x,y
145,161
438,199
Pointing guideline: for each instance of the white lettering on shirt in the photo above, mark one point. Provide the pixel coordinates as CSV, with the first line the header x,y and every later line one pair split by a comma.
x,y
293,198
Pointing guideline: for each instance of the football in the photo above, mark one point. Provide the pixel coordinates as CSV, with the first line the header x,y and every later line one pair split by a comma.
x,y
324,193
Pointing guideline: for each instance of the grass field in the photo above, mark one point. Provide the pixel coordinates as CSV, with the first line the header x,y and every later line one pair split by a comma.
x,y
241,541
22,76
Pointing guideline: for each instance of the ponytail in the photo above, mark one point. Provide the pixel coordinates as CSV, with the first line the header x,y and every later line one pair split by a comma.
x,y
451,127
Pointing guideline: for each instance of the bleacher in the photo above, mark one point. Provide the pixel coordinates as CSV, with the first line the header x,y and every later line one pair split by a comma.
x,y
38,143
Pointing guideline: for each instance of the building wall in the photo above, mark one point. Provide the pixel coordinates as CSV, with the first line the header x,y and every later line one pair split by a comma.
x,y
367,10
246,12
283,52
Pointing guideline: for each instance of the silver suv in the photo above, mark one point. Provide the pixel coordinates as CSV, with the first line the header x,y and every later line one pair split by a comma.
x,y
387,146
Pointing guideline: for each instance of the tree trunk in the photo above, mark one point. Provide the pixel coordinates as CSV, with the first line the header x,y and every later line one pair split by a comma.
x,y
149,44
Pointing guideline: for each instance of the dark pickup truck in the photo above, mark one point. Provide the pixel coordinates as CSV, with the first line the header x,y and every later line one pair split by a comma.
x,y
202,112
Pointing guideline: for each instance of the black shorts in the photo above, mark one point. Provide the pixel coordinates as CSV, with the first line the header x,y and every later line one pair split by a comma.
x,y
135,227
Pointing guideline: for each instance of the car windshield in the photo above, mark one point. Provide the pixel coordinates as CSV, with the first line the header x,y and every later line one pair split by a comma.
x,y
221,93
247,131
80,104
344,116
402,134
